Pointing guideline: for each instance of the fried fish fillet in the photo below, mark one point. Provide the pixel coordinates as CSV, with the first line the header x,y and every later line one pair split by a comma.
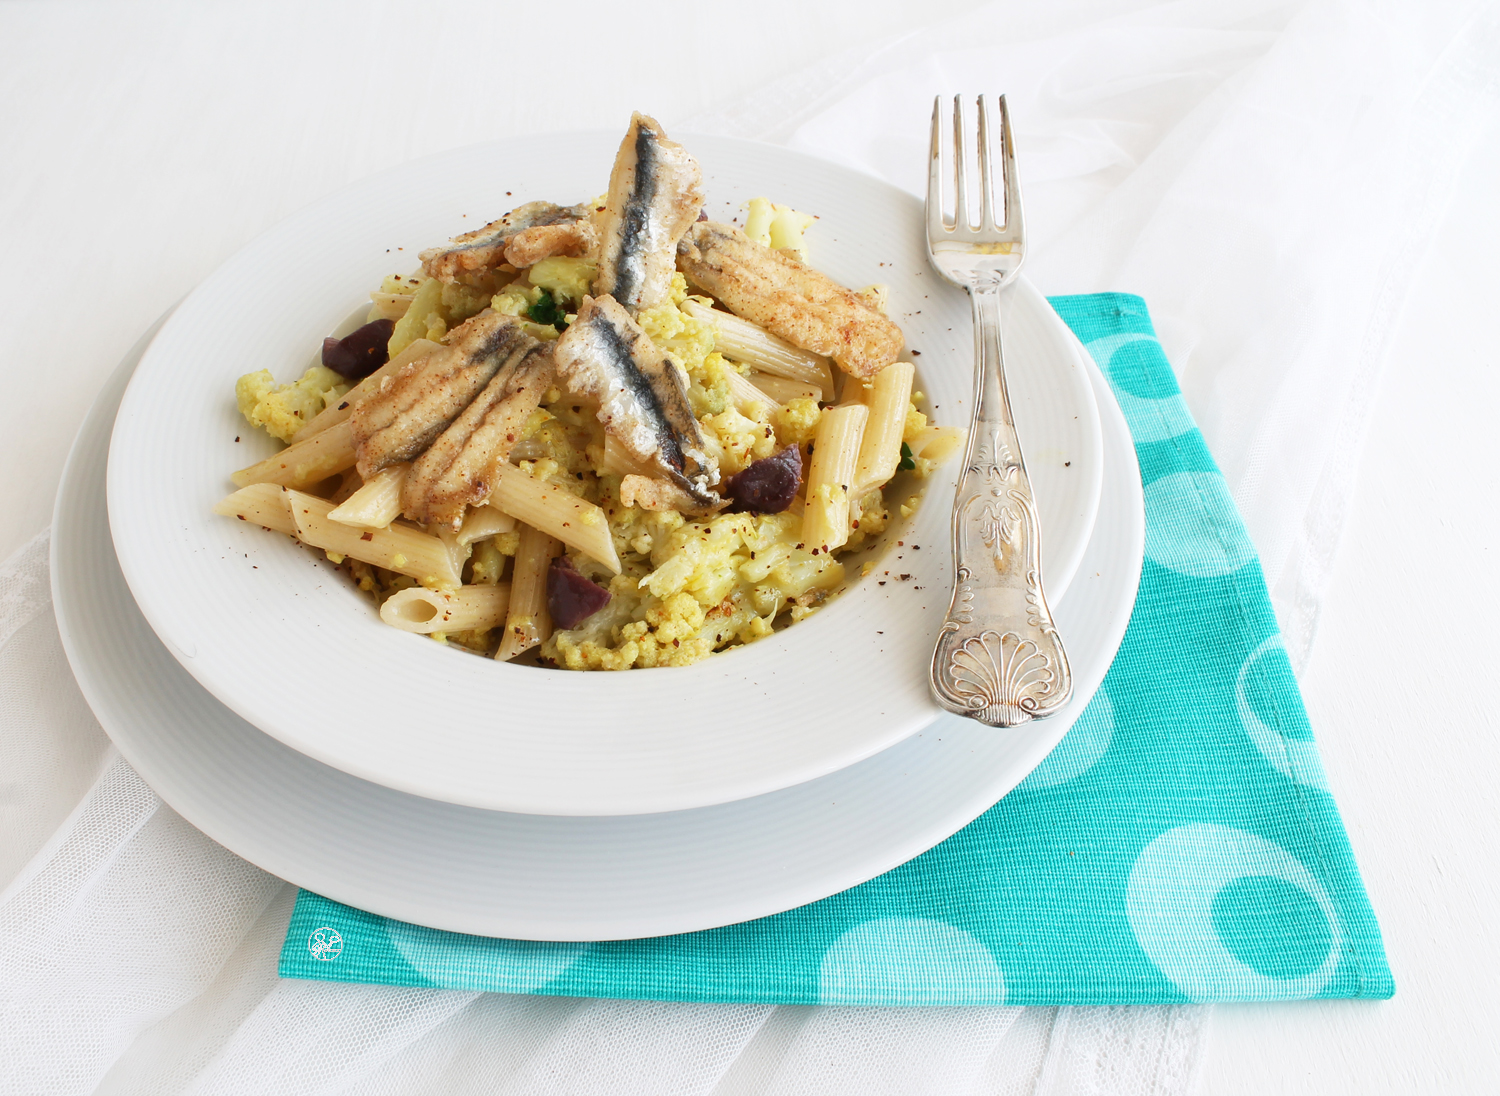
x,y
484,249
642,400
531,245
655,194
788,298
458,469
412,408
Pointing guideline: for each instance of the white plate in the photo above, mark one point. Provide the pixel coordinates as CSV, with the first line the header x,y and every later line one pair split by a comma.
x,y
294,649
549,878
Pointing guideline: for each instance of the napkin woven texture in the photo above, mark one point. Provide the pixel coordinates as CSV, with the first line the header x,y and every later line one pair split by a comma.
x,y
1180,844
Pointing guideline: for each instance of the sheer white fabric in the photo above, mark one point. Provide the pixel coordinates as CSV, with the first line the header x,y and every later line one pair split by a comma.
x,y
1266,173
1263,172
137,956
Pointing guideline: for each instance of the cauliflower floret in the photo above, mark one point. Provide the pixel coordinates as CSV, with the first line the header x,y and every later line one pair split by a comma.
x,y
546,435
283,409
778,226
487,563
868,518
741,439
423,320
916,422
690,341
516,300
797,422
395,283
699,557
459,302
564,277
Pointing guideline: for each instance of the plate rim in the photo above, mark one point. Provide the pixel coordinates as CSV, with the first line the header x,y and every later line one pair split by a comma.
x,y
575,793
681,916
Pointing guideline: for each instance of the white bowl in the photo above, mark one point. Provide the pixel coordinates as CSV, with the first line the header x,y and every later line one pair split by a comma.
x,y
288,644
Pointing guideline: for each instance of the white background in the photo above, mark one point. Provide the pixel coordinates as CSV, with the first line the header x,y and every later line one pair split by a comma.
x,y
141,145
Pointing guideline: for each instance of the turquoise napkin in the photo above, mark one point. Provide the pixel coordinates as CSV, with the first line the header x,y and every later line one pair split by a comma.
x,y
1179,845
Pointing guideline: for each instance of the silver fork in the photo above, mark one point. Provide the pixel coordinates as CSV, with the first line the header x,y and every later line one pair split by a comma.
x,y
999,658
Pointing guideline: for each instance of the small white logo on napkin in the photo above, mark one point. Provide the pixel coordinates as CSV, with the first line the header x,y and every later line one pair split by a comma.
x,y
325,944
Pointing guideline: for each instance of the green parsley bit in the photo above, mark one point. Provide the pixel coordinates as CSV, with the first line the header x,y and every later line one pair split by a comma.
x,y
546,311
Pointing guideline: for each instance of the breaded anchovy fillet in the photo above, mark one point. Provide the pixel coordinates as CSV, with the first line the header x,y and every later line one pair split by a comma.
x,y
642,399
655,494
531,245
416,405
788,298
458,470
655,194
484,249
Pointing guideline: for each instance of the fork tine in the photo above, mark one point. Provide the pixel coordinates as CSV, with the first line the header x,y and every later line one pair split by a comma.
x,y
986,183
1013,219
960,183
935,225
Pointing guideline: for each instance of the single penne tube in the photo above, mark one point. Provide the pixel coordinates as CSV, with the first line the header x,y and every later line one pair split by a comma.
x,y
377,503
458,552
825,521
557,512
467,608
304,463
338,412
619,461
784,391
397,548
938,443
889,400
527,621
350,481
261,504
388,306
752,344
747,397
484,521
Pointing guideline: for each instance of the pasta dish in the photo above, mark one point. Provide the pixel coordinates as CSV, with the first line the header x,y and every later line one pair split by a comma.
x,y
602,436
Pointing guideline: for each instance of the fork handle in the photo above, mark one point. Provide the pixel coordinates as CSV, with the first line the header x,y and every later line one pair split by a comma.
x,y
999,658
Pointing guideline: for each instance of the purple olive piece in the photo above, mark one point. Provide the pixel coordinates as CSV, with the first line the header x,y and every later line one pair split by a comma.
x,y
768,485
361,352
571,598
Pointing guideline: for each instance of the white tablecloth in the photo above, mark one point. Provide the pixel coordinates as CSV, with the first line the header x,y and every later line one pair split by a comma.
x,y
1269,175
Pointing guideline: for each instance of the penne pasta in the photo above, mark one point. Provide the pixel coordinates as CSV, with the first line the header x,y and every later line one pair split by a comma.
x,y
376,504
484,521
784,391
556,511
889,399
304,463
825,521
349,482
747,397
618,461
397,548
752,344
937,443
332,416
733,492
468,608
388,306
527,621
260,503
458,552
